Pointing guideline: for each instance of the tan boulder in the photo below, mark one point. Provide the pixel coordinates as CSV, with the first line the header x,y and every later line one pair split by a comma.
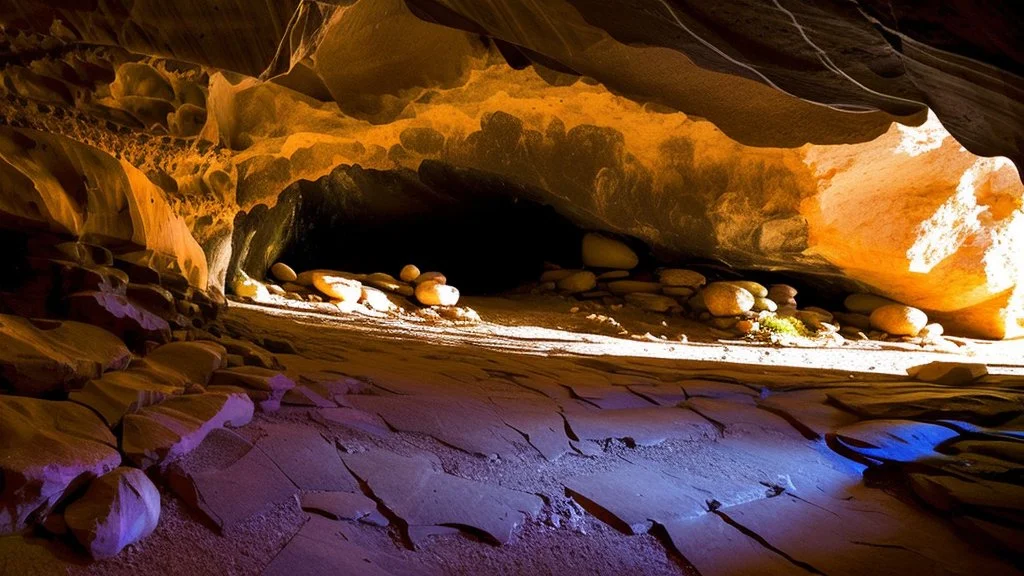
x,y
409,273
376,299
727,299
680,277
283,272
764,304
430,277
898,320
781,293
337,287
580,281
604,252
754,288
433,293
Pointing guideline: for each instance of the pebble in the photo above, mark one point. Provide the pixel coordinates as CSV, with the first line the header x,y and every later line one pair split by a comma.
x,y
679,277
579,281
761,304
727,299
613,275
603,252
409,273
283,272
430,277
432,293
337,287
898,320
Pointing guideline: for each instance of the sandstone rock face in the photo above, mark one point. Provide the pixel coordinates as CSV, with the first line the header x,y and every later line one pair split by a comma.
x,y
49,356
47,448
119,508
58,184
740,163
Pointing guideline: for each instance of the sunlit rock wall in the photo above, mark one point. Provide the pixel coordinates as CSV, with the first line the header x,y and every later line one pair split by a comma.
x,y
639,138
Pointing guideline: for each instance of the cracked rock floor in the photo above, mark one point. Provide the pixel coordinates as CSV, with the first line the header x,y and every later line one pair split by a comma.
x,y
425,450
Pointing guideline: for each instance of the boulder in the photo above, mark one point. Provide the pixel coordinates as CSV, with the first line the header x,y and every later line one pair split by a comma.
x,y
764,304
338,287
677,291
861,303
47,449
431,293
727,299
119,508
781,293
754,288
45,357
679,277
283,272
376,300
430,277
579,281
898,320
409,273
603,252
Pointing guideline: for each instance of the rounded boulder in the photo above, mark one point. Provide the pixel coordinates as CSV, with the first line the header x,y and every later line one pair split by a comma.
x,y
433,293
727,299
898,320
604,252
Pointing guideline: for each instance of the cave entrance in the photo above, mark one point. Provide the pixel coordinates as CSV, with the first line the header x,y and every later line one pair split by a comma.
x,y
476,230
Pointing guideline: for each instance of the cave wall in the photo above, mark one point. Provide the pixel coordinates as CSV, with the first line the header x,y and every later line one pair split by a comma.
x,y
814,156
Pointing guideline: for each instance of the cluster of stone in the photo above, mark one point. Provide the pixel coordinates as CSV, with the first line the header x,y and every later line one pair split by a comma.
x,y
373,294
740,307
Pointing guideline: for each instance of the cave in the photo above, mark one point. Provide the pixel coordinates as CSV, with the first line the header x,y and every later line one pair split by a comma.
x,y
505,287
